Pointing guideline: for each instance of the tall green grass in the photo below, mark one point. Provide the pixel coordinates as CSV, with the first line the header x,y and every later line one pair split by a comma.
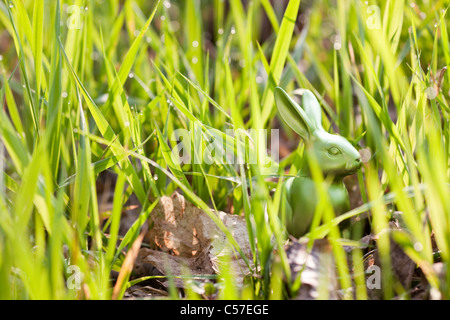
x,y
89,86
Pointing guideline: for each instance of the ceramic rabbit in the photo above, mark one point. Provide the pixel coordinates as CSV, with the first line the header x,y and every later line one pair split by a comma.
x,y
335,155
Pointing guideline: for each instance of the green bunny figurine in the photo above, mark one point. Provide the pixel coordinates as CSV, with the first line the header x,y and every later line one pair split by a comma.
x,y
335,156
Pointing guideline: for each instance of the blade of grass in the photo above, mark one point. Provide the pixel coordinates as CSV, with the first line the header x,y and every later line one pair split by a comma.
x,y
279,55
108,134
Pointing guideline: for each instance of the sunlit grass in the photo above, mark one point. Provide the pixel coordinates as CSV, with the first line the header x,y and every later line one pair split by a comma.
x,y
89,86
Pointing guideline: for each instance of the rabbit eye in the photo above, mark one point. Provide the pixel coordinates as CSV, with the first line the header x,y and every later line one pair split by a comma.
x,y
334,151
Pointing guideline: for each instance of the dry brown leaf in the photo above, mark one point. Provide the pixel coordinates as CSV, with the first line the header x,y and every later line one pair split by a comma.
x,y
127,265
317,267
155,262
183,238
402,266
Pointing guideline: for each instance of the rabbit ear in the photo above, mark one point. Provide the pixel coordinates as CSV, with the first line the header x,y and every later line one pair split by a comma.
x,y
293,114
312,109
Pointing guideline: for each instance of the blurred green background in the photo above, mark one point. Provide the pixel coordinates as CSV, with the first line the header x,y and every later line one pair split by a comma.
x,y
89,87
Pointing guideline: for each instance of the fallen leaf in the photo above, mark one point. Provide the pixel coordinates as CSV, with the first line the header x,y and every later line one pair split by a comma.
x,y
184,240
317,270
401,264
127,265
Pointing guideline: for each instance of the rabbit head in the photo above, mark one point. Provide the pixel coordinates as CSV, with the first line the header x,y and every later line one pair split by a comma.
x,y
335,154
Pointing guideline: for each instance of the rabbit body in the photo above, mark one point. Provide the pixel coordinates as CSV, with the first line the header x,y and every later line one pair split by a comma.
x,y
334,154
300,198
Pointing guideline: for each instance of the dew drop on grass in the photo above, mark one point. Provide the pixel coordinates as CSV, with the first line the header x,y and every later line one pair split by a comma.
x,y
366,154
194,60
64,95
220,31
195,43
155,177
94,55
418,246
131,75
233,30
174,26
167,4
337,42
431,93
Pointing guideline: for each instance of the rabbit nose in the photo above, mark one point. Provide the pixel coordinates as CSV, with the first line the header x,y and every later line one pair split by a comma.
x,y
358,163
354,164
